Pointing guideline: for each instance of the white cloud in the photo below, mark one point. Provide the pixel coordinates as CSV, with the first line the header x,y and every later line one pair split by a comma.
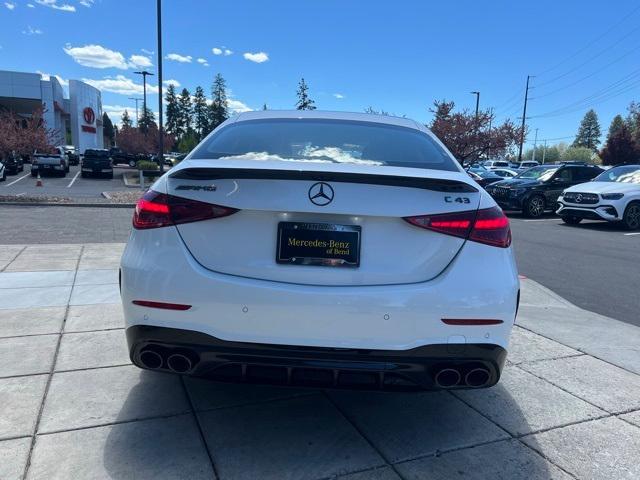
x,y
87,3
139,61
10,5
222,51
148,52
65,7
31,5
216,51
236,106
227,52
176,57
32,31
47,76
173,82
257,57
339,96
115,112
96,56
120,84
202,62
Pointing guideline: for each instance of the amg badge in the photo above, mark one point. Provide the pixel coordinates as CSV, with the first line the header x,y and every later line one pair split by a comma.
x,y
198,188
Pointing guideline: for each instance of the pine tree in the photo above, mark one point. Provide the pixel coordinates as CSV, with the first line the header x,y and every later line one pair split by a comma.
x,y
147,120
185,112
620,147
172,125
219,108
616,124
126,120
200,113
304,102
264,106
589,132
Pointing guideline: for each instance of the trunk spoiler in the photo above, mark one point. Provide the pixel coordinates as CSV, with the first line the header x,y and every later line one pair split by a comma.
x,y
437,184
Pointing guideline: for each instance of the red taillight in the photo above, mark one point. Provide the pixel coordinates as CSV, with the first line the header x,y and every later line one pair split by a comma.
x,y
489,226
156,210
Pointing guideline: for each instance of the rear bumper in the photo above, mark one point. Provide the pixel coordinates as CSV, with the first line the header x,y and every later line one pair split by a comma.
x,y
412,369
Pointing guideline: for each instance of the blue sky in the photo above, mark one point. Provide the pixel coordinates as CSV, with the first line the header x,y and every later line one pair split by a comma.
x,y
398,56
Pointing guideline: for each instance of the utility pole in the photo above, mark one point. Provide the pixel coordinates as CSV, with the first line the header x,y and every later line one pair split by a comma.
x,y
136,100
535,141
477,94
144,74
160,133
524,118
544,151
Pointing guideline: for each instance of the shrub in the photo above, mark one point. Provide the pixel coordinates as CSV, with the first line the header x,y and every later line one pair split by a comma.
x,y
147,165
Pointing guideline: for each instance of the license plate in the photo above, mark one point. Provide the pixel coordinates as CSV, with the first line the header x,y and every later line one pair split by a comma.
x,y
318,244
46,166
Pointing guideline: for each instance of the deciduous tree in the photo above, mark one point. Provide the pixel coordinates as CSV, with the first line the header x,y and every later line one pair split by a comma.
x,y
620,147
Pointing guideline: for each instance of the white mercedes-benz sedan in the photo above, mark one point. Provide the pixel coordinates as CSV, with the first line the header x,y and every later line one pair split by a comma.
x,y
321,249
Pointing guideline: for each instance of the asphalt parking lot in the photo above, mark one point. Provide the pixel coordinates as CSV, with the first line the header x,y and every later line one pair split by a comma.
x,y
72,185
72,405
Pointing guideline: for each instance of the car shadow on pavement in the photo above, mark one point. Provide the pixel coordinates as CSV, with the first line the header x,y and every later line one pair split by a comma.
x,y
430,435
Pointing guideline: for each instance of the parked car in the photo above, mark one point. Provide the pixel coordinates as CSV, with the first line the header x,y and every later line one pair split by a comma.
x,y
3,172
505,172
13,163
120,157
537,189
484,177
528,164
614,196
55,162
496,163
72,155
320,267
96,162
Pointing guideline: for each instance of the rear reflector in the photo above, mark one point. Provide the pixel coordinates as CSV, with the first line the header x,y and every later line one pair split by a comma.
x,y
163,305
489,226
156,210
471,321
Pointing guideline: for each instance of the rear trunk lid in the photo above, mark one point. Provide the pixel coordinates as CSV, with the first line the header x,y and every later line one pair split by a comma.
x,y
274,197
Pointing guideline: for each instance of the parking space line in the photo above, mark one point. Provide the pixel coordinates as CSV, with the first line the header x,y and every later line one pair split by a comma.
x,y
73,180
634,233
17,180
543,220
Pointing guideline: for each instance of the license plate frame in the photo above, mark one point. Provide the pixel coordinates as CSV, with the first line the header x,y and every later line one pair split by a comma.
x,y
318,244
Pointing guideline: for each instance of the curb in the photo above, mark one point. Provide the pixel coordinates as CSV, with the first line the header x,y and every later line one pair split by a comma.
x,y
87,205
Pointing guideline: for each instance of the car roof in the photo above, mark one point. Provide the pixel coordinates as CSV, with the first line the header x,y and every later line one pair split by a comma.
x,y
331,115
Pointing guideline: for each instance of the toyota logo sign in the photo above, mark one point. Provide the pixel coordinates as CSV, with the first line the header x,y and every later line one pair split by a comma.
x,y
89,115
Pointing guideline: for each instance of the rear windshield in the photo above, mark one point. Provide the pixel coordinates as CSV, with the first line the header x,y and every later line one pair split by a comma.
x,y
326,141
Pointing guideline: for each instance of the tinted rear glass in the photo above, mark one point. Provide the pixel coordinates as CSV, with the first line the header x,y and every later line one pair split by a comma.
x,y
326,141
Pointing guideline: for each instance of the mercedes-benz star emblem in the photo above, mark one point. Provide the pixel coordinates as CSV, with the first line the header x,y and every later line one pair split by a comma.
x,y
579,198
321,194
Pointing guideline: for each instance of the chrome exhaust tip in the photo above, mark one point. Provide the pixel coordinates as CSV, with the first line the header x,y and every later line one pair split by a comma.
x,y
447,378
179,363
478,377
150,359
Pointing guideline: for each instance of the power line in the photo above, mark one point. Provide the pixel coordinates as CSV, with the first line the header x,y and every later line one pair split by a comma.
x,y
592,42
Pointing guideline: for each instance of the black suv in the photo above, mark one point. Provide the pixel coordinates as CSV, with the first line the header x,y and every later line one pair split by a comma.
x,y
13,163
537,189
96,162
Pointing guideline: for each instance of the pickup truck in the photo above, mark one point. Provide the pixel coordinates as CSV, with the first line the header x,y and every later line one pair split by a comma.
x,y
56,162
120,157
96,162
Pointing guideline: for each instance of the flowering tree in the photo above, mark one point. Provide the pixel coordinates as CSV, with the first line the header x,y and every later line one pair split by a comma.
x,y
134,140
25,135
468,136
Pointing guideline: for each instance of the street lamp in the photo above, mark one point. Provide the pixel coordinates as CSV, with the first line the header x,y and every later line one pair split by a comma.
x,y
136,100
160,133
477,94
144,74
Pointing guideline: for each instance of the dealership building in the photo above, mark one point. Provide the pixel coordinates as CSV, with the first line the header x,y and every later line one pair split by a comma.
x,y
76,120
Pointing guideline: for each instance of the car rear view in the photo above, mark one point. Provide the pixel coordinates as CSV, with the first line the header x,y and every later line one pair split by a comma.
x,y
320,249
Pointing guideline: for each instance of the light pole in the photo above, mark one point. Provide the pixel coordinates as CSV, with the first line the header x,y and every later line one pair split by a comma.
x,y
144,74
160,133
535,141
136,100
477,94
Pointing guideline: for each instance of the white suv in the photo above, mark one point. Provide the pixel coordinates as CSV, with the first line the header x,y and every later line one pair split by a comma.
x,y
614,196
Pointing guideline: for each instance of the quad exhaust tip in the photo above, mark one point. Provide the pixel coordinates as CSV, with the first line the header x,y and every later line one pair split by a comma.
x,y
179,363
478,377
451,377
151,359
447,378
